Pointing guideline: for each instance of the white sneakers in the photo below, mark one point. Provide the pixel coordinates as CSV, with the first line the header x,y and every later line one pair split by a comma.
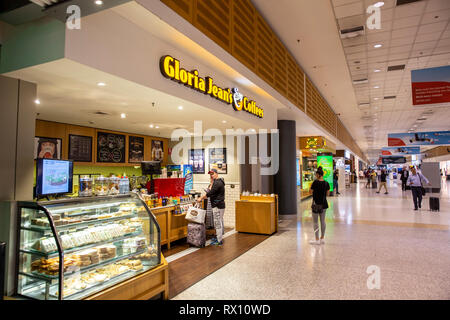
x,y
317,242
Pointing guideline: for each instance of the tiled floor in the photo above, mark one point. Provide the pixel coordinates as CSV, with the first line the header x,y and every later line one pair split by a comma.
x,y
410,249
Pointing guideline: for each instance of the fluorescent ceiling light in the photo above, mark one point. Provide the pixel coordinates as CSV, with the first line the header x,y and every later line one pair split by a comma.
x,y
378,46
123,115
180,107
157,127
37,101
151,126
98,2
376,87
224,121
377,70
101,84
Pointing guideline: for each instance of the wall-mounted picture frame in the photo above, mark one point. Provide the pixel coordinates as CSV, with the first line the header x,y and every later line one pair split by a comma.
x,y
157,150
197,160
80,148
218,160
110,147
135,149
47,148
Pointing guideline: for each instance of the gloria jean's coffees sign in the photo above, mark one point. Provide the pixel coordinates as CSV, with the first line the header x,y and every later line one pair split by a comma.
x,y
171,69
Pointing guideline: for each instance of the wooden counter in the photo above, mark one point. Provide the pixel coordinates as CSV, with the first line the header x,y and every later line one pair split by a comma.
x,y
257,214
173,227
142,287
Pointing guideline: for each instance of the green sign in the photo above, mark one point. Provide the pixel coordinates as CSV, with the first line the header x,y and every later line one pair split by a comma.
x,y
326,162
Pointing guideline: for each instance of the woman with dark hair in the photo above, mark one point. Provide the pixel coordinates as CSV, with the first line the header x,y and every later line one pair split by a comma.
x,y
320,190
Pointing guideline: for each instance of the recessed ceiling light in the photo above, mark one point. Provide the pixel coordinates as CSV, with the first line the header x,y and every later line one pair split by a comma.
x,y
377,70
378,46
224,121
123,115
98,2
376,87
37,101
379,4
376,98
157,127
180,107
101,84
151,126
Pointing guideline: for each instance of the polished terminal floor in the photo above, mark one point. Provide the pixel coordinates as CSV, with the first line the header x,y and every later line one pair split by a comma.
x,y
410,249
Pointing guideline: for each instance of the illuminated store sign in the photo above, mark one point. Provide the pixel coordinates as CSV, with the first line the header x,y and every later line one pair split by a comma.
x,y
171,69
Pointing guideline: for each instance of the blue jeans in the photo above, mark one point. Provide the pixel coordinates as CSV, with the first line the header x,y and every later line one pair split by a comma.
x,y
336,186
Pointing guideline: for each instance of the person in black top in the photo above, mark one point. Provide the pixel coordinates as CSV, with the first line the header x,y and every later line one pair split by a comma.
x,y
383,181
217,197
320,189
335,181
404,177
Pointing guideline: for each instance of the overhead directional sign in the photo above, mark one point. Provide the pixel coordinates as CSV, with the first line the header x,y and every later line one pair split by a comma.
x,y
431,86
419,139
399,151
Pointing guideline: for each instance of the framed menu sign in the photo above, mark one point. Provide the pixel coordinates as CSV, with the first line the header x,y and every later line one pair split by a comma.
x,y
80,148
197,160
136,149
218,160
110,147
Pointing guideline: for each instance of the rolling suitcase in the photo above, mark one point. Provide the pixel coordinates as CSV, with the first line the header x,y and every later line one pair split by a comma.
x,y
434,204
196,234
374,184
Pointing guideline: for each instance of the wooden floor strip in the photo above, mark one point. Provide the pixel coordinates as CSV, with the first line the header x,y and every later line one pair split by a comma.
x,y
188,270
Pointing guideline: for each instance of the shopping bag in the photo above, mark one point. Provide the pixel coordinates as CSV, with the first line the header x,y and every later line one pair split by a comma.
x,y
195,214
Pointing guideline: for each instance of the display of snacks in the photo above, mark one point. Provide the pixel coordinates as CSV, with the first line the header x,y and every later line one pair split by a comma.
x,y
101,186
86,187
102,241
113,187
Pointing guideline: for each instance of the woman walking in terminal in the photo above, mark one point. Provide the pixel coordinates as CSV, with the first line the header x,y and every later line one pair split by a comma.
x,y
417,180
320,190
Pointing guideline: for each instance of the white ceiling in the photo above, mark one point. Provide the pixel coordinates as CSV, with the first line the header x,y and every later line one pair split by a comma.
x,y
416,34
69,93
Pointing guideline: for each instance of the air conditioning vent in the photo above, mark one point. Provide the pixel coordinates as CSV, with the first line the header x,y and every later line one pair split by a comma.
x,y
360,81
389,97
352,32
396,68
402,2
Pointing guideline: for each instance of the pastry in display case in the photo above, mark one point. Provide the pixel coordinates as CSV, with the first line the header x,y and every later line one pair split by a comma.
x,y
75,248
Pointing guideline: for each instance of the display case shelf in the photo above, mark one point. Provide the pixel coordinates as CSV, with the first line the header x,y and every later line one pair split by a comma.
x,y
81,248
77,225
82,269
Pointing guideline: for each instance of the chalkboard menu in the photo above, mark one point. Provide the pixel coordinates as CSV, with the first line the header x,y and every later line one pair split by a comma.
x,y
80,148
136,149
110,147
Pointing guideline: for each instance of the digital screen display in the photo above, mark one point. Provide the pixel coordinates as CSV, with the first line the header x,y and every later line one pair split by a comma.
x,y
326,162
53,177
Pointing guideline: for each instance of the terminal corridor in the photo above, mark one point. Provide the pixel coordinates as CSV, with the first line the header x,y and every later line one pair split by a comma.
x,y
363,229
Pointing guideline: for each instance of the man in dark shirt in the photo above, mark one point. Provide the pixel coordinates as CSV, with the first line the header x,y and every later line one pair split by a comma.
x,y
404,178
336,180
383,181
217,197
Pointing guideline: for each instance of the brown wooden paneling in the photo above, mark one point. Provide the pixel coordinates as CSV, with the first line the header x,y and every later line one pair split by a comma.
x,y
244,33
183,7
264,67
213,18
292,77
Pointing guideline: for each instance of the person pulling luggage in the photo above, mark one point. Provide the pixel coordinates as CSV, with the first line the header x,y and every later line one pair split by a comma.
x,y
217,196
416,180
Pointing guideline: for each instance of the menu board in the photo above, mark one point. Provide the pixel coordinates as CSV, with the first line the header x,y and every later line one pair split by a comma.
x,y
197,160
110,147
218,160
136,149
80,148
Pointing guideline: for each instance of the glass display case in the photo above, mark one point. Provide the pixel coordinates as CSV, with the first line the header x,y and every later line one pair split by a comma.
x,y
74,248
